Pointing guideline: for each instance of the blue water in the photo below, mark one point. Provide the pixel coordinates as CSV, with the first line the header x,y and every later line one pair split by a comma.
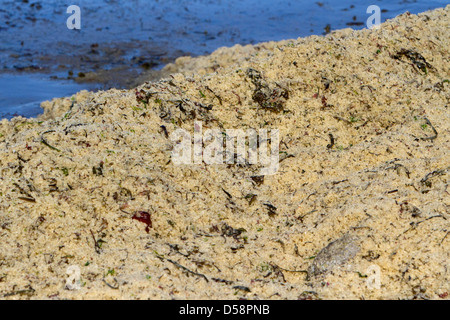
x,y
21,94
36,44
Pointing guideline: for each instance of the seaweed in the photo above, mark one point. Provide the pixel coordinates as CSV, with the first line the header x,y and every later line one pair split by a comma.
x,y
242,288
217,96
175,248
53,185
123,196
415,58
324,102
272,99
444,237
222,280
227,193
271,208
308,295
46,143
414,225
27,195
285,156
331,144
166,134
443,295
97,243
232,232
424,180
143,217
28,292
277,271
342,119
239,98
371,256
258,180
98,170
188,271
208,107
431,138
143,97
27,199
397,167
250,198
115,287
295,271
338,182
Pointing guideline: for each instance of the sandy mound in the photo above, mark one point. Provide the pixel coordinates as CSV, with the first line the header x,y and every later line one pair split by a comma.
x,y
92,205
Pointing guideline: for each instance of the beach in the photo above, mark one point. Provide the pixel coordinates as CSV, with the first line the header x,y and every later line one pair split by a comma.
x,y
122,44
92,205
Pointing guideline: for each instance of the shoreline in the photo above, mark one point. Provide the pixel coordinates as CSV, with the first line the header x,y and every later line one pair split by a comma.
x,y
122,55
362,184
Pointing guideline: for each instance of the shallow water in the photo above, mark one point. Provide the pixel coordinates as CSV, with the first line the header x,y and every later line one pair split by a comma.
x,y
21,94
119,39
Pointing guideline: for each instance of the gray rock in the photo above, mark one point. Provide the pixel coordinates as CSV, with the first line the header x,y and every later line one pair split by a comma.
x,y
336,253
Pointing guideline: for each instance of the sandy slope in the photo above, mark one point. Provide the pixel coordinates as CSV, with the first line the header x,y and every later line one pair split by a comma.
x,y
362,185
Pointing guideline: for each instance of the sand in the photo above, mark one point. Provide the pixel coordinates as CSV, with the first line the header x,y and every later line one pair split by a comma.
x,y
359,208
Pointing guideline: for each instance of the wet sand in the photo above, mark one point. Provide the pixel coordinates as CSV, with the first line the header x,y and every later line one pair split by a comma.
x,y
361,193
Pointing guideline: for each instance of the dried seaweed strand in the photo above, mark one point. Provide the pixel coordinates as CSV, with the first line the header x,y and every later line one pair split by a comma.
x,y
416,224
110,285
432,174
96,245
46,143
184,268
432,128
